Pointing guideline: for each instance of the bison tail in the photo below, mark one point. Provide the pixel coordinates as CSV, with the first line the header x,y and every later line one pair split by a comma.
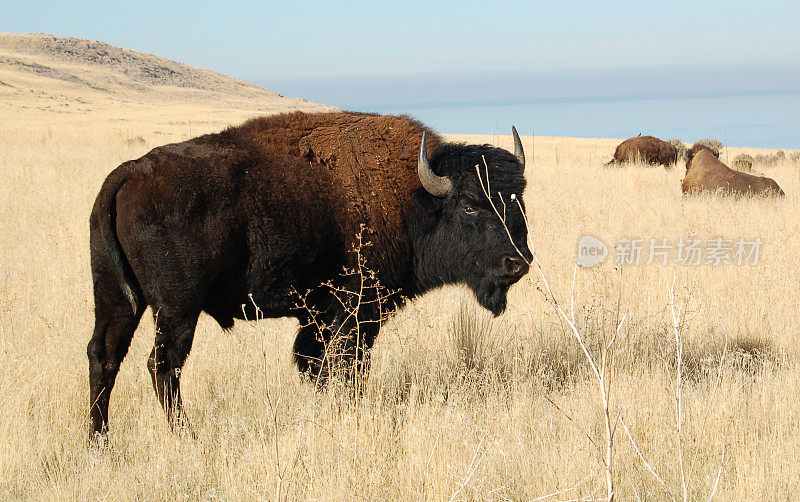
x,y
107,215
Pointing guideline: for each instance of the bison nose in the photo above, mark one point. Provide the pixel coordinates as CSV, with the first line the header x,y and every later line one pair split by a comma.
x,y
514,266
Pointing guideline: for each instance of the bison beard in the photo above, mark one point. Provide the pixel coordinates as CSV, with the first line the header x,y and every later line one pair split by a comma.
x,y
492,297
237,224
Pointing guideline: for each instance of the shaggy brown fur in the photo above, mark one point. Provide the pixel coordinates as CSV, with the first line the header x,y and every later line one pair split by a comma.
x,y
645,149
698,147
706,173
346,144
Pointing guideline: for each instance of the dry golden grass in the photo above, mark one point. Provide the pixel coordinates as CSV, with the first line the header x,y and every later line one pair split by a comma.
x,y
457,406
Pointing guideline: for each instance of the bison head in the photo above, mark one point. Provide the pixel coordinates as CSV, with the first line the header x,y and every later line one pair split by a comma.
x,y
461,235
696,148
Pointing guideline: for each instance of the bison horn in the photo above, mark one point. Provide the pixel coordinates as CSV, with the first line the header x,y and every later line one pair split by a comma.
x,y
518,153
438,186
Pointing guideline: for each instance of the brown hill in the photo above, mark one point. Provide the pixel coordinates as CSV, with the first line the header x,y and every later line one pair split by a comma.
x,y
44,76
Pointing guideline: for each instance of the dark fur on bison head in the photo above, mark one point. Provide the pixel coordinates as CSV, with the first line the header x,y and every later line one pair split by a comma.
x,y
459,237
696,148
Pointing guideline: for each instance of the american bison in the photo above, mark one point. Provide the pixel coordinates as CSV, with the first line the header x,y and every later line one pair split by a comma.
x,y
246,222
706,173
645,149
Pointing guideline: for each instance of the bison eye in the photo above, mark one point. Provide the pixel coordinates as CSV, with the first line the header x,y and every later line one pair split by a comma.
x,y
468,206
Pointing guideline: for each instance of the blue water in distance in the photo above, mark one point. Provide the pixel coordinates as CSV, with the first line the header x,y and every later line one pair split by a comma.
x,y
756,107
766,121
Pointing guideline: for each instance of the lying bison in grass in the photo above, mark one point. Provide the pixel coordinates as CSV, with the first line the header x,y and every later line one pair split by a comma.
x,y
706,173
240,223
646,149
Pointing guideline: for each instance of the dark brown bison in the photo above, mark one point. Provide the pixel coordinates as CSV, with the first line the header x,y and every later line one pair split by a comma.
x,y
242,223
706,173
645,149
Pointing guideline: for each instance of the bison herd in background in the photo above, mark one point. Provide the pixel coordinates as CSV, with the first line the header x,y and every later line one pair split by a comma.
x,y
705,173
284,215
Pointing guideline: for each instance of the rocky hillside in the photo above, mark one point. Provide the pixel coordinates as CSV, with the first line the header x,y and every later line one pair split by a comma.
x,y
49,73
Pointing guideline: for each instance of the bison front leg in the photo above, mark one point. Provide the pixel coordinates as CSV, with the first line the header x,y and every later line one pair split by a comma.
x,y
309,352
174,335
339,348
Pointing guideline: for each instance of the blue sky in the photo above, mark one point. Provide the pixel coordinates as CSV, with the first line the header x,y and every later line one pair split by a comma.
x,y
571,68
285,40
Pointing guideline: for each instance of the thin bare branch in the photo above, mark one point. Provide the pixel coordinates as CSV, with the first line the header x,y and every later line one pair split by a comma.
x,y
719,475
565,490
473,466
641,457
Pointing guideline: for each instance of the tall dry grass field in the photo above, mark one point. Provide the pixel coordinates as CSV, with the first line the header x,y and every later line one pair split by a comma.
x,y
458,405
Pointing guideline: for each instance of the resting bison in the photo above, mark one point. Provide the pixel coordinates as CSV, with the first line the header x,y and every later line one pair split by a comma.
x,y
265,213
645,149
706,173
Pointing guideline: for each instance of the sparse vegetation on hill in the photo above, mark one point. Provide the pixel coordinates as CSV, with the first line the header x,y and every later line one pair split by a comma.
x,y
746,162
139,67
78,81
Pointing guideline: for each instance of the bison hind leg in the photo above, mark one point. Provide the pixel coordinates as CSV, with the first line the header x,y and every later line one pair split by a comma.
x,y
115,323
174,336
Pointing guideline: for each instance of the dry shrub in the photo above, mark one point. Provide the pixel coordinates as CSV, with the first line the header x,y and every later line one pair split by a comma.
x,y
679,145
714,144
474,346
743,162
745,353
770,160
645,347
136,141
513,355
556,362
479,357
364,302
779,157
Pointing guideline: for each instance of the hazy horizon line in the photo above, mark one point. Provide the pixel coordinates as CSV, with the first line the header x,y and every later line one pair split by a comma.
x,y
748,66
589,99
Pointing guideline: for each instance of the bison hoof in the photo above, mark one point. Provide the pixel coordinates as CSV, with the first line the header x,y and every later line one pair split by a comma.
x,y
99,440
